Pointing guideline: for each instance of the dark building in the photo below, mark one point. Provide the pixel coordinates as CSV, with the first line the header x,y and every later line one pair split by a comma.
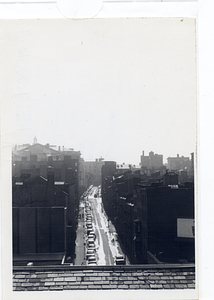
x,y
170,179
46,188
117,196
36,158
160,210
39,219
147,212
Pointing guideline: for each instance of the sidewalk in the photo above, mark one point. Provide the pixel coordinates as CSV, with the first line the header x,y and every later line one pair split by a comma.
x,y
80,247
113,238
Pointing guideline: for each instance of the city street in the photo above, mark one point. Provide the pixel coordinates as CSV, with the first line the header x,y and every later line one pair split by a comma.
x,y
106,244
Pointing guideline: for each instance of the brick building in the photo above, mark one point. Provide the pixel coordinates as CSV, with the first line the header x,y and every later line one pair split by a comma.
x,y
158,210
152,163
146,213
45,186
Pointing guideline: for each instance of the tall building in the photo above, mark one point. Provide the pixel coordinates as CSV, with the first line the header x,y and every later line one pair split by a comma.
x,y
151,163
178,163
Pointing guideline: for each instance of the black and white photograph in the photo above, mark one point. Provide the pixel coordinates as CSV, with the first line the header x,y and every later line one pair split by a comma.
x,y
103,152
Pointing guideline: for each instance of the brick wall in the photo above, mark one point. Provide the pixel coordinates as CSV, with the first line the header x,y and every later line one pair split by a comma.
x,y
154,277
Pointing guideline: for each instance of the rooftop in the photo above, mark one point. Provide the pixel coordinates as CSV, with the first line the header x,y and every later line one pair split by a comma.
x,y
66,277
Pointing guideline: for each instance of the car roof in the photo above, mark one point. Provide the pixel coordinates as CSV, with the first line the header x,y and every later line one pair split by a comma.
x,y
92,258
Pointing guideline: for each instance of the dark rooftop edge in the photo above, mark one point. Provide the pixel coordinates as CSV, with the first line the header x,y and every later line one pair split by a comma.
x,y
114,267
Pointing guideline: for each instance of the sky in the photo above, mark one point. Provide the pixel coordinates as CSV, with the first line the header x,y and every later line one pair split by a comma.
x,y
107,88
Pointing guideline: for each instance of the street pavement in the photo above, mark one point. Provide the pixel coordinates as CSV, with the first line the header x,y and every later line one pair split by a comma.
x,y
105,251
106,238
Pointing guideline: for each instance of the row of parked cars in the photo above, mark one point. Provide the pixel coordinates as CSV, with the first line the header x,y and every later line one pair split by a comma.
x,y
91,257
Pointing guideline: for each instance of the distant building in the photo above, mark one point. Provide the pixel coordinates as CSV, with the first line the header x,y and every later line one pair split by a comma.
x,y
178,163
34,160
108,169
93,172
151,163
123,168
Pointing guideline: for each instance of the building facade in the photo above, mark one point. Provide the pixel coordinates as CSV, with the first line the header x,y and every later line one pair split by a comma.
x,y
151,163
46,182
93,172
178,163
147,213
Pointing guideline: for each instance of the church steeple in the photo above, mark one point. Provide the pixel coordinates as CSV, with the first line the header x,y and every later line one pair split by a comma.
x,y
34,140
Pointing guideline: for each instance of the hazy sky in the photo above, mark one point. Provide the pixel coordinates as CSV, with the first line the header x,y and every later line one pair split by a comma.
x,y
109,88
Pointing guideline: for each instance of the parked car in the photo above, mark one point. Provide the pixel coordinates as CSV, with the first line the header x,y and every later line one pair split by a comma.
x,y
92,259
91,236
89,230
91,245
92,232
91,248
89,226
89,221
119,260
90,240
90,252
91,264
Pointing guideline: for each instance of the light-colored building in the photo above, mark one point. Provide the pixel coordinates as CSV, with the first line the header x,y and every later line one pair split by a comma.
x,y
152,161
178,163
92,172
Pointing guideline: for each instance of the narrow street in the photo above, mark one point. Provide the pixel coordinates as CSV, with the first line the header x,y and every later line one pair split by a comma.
x,y
93,223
